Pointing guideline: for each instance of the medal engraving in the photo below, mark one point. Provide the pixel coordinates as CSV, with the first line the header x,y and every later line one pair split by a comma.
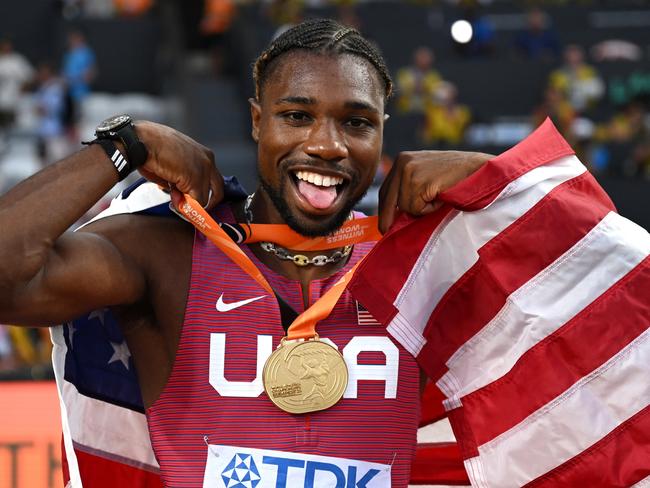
x,y
302,377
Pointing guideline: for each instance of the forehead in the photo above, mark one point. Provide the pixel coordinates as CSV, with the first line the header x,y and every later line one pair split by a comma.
x,y
325,77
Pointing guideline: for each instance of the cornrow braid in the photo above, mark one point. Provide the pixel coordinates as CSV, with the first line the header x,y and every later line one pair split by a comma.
x,y
323,36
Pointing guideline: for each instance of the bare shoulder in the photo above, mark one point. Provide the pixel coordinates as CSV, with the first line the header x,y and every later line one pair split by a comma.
x,y
147,239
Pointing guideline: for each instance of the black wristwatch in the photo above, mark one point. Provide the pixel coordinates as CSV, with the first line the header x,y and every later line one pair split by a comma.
x,y
120,128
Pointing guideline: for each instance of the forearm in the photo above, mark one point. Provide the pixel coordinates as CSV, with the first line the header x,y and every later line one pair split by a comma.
x,y
40,209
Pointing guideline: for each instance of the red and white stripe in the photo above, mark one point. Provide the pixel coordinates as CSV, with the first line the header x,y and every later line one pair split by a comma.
x,y
526,300
104,445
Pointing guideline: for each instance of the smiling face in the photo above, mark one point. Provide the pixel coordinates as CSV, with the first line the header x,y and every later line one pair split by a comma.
x,y
319,128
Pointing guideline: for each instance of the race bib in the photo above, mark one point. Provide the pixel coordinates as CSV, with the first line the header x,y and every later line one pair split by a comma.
x,y
241,467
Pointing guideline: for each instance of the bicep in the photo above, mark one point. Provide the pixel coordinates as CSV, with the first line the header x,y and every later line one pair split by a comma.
x,y
83,271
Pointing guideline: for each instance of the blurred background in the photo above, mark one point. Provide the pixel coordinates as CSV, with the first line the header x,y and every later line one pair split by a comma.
x,y
469,74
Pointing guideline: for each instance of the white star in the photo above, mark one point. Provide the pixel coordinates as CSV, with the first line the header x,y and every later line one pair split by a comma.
x,y
121,353
71,331
98,314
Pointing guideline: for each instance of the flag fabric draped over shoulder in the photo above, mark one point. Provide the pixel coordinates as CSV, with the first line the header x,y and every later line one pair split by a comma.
x,y
527,300
105,435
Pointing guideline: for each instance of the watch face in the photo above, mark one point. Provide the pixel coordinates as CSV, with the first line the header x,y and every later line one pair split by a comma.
x,y
113,123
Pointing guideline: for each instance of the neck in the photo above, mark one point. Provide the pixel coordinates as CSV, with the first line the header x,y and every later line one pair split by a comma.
x,y
264,212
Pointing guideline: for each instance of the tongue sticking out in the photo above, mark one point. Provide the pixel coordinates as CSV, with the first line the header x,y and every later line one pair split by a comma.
x,y
317,196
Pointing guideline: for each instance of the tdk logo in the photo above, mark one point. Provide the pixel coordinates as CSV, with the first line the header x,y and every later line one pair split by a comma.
x,y
242,472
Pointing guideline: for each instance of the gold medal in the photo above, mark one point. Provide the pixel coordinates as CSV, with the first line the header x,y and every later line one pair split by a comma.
x,y
305,376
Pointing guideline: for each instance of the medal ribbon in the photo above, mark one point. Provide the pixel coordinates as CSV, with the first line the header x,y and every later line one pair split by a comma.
x,y
304,326
351,232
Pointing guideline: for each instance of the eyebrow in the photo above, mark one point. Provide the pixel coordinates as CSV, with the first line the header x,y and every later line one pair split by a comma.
x,y
353,104
357,105
297,100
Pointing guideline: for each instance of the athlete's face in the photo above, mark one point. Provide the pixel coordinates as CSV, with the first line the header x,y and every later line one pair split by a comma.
x,y
319,128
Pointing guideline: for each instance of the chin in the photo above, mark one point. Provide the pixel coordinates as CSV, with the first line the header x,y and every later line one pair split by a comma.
x,y
303,223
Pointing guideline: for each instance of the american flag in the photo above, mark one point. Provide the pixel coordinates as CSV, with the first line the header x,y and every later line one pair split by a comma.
x,y
526,299
105,435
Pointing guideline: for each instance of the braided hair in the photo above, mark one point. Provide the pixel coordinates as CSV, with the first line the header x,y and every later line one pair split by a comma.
x,y
321,36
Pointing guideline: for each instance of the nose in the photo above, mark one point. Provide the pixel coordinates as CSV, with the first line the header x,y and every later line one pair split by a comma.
x,y
325,141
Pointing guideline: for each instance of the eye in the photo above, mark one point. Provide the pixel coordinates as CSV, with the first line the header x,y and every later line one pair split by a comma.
x,y
296,117
359,123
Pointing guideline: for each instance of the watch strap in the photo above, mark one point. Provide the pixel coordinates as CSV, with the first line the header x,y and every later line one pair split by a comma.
x,y
134,148
119,160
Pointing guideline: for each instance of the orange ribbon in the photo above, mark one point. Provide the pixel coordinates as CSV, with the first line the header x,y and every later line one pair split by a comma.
x,y
354,231
351,232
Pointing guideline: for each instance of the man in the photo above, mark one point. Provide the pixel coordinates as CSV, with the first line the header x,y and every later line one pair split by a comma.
x,y
15,74
79,68
198,327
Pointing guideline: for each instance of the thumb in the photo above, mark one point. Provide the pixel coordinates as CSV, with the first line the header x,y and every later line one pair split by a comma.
x,y
176,197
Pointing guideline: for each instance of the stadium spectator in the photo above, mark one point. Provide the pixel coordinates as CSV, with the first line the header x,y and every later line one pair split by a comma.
x,y
641,157
538,40
50,104
482,42
217,19
557,107
621,143
626,126
7,358
15,74
132,8
22,346
417,84
577,80
79,67
446,120
285,14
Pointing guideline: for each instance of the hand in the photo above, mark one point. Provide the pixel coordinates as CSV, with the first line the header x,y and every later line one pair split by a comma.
x,y
180,163
418,177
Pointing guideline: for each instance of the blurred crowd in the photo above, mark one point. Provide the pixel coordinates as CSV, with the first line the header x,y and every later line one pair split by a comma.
x,y
610,133
606,121
52,92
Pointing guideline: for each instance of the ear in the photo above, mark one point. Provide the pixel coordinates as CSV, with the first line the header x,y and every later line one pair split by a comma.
x,y
256,115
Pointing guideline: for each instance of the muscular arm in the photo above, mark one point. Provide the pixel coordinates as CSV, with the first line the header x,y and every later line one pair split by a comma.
x,y
48,275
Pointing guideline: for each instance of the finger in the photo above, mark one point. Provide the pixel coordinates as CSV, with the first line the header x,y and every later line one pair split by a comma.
x,y
388,195
197,185
216,189
430,207
176,197
416,197
408,199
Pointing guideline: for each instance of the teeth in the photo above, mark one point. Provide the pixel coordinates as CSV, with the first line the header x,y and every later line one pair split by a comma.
x,y
318,179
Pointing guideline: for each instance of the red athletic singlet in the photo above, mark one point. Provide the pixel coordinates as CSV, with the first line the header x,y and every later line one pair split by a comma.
x,y
213,425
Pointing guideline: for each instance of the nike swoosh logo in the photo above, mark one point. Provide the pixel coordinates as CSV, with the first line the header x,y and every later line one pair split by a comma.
x,y
227,307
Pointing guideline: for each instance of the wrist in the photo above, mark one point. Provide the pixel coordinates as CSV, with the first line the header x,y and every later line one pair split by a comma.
x,y
121,129
115,153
